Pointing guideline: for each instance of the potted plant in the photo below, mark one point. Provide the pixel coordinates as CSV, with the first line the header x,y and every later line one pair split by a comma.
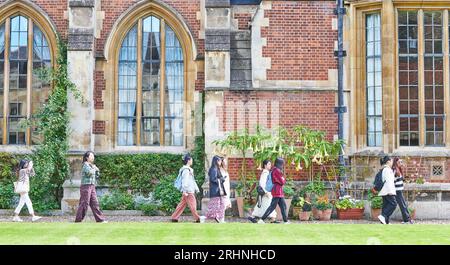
x,y
323,207
349,208
313,190
376,203
302,209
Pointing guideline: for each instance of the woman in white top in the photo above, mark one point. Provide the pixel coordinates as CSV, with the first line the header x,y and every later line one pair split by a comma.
x,y
260,208
26,171
388,191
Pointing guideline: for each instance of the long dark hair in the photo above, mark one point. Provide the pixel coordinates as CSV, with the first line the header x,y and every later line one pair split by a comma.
x,y
214,165
23,163
265,162
396,167
279,163
86,155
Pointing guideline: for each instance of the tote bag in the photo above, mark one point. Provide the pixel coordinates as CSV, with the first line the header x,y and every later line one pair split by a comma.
x,y
21,187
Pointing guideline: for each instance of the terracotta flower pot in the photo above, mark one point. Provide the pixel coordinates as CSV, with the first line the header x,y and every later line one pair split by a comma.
x,y
316,214
374,214
304,216
240,205
325,215
350,214
296,211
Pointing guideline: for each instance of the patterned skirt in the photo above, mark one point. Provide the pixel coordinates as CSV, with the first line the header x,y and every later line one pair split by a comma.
x,y
216,208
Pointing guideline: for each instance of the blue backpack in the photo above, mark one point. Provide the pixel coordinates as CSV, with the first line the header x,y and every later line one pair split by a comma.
x,y
178,181
269,183
378,183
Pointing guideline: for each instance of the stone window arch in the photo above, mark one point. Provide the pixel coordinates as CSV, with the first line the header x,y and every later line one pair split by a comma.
x,y
27,43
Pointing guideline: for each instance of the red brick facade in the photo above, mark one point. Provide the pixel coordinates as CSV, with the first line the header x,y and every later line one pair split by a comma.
x,y
300,40
98,127
98,90
244,20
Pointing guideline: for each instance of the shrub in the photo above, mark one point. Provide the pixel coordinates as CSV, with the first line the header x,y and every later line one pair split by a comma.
x,y
117,200
148,204
167,194
6,196
376,202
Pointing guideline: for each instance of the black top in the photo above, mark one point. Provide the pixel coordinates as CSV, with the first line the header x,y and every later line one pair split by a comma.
x,y
215,179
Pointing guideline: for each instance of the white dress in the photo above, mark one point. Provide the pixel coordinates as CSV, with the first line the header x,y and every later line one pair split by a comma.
x,y
266,199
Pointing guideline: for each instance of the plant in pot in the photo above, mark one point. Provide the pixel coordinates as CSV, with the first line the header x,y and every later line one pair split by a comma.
x,y
302,209
323,207
313,190
349,208
376,203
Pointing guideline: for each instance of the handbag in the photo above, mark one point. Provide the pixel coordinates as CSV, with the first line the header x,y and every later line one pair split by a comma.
x,y
21,187
260,191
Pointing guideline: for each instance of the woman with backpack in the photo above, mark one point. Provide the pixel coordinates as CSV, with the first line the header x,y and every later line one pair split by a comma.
x,y
263,200
277,192
217,193
188,188
25,171
388,191
398,173
88,195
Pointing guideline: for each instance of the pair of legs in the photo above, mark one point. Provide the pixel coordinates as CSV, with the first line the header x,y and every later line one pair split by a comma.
x,y
189,201
88,197
276,201
24,199
389,205
216,209
403,206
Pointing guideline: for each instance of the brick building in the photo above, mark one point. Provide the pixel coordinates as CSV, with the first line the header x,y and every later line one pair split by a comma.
x,y
253,62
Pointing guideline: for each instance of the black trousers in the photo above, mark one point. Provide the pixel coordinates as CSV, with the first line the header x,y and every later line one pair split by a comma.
x,y
389,205
403,206
276,201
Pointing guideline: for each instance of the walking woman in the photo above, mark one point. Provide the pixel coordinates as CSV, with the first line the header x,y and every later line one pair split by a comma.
x,y
388,192
262,206
217,194
88,196
25,171
397,167
188,187
226,183
277,192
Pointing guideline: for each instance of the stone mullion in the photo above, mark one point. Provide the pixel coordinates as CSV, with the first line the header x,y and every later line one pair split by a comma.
x,y
445,41
6,81
421,80
139,84
162,83
388,76
29,77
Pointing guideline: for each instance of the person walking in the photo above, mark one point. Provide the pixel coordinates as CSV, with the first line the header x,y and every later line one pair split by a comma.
x,y
188,188
397,167
88,195
277,192
25,171
226,184
265,200
388,191
217,193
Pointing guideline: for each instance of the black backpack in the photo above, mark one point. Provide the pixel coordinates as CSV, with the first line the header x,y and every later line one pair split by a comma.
x,y
378,183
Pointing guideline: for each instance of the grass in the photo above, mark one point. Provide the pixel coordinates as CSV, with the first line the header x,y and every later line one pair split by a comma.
x,y
221,234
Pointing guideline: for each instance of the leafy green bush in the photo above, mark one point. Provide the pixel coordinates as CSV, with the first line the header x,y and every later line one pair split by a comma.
x,y
117,200
138,172
314,188
349,203
6,195
148,205
167,194
376,202
289,190
199,161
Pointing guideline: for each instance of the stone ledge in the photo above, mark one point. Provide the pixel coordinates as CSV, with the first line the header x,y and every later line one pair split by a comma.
x,y
81,3
217,3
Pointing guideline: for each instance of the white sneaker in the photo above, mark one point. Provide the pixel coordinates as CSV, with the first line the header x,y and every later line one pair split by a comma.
x,y
35,218
287,223
260,221
382,219
104,222
17,219
202,219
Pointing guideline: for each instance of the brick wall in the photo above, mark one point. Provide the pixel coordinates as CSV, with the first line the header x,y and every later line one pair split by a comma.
x,y
54,9
98,127
300,40
98,90
243,20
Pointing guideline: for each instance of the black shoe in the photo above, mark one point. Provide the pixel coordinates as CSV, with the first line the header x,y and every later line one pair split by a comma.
x,y
217,220
252,219
197,221
276,222
174,221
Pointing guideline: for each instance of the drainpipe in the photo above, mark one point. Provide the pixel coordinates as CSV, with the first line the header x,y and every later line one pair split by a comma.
x,y
340,11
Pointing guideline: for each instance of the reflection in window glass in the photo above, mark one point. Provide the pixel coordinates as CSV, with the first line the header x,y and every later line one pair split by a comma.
x,y
2,72
373,80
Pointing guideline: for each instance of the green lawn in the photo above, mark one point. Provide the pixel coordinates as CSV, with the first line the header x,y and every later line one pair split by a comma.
x,y
220,234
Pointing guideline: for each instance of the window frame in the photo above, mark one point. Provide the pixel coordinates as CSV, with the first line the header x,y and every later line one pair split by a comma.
x,y
138,22
34,18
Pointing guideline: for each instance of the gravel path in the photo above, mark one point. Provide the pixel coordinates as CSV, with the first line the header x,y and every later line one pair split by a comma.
x,y
110,218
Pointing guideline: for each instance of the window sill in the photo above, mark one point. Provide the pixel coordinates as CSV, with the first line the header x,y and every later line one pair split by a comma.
x,y
16,149
406,151
147,149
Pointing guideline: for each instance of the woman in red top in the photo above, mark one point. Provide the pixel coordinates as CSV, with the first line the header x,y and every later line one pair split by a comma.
x,y
277,192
